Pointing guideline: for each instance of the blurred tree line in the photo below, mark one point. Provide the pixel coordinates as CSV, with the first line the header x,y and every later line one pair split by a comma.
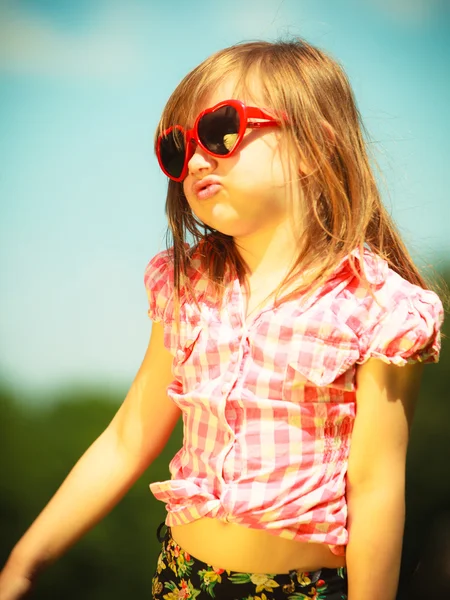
x,y
117,559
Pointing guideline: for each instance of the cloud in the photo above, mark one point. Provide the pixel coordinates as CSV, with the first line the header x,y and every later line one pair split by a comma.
x,y
30,44
410,11
254,18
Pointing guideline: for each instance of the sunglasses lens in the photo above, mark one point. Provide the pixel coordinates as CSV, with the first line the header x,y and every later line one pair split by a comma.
x,y
218,131
172,151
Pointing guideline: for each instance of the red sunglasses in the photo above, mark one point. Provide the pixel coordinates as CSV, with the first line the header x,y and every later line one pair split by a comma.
x,y
218,131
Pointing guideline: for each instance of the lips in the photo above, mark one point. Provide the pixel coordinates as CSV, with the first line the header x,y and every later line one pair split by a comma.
x,y
206,187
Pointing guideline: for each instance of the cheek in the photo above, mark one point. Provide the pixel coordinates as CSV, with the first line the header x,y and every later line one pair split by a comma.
x,y
265,172
186,186
265,161
191,199
196,209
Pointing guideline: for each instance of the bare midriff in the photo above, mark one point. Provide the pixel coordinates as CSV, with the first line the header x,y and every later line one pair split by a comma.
x,y
234,547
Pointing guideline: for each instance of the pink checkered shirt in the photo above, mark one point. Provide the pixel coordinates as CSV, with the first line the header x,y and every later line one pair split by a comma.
x,y
268,407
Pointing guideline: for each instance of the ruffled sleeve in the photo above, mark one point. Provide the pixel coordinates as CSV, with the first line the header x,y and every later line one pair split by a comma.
x,y
406,327
158,280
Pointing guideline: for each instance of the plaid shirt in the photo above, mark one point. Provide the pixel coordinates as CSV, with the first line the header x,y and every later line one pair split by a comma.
x,y
268,407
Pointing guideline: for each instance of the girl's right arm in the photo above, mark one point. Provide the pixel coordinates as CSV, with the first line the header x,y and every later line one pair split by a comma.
x,y
101,477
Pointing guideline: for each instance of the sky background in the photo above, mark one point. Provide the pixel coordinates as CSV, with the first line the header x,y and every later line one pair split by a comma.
x,y
82,85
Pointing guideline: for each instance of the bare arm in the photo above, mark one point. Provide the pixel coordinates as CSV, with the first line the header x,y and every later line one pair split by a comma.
x,y
101,477
385,399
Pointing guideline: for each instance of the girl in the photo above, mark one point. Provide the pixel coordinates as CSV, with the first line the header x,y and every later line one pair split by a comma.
x,y
294,324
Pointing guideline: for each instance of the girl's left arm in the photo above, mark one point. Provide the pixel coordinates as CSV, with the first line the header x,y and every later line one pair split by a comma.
x,y
385,400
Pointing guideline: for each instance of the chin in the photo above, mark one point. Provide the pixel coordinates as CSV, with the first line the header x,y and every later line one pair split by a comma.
x,y
234,232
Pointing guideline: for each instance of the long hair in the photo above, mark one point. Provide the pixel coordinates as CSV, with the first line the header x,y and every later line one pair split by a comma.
x,y
325,130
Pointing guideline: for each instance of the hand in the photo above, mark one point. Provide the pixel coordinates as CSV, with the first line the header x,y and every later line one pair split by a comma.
x,y
13,584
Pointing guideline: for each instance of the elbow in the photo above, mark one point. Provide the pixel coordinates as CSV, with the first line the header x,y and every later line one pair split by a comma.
x,y
383,491
376,502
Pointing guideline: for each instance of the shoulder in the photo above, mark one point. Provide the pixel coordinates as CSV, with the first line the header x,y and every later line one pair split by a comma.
x,y
159,284
159,281
394,319
160,269
159,265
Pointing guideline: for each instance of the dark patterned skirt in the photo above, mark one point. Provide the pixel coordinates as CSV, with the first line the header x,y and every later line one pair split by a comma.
x,y
180,575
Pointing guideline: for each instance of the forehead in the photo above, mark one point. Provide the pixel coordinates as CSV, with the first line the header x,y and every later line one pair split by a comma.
x,y
231,88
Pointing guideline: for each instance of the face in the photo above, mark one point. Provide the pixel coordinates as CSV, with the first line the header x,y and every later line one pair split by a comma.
x,y
250,191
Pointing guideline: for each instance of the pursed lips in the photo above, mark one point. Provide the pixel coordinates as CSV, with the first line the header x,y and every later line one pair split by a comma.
x,y
206,187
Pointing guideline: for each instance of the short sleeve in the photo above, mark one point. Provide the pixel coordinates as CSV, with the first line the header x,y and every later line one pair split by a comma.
x,y
407,327
158,280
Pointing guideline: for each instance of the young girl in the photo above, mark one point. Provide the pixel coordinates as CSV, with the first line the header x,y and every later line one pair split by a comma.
x,y
288,335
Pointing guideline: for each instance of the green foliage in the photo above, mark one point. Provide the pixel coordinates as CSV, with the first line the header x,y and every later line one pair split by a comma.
x,y
39,446
427,480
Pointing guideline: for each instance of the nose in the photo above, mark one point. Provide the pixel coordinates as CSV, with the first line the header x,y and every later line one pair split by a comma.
x,y
200,162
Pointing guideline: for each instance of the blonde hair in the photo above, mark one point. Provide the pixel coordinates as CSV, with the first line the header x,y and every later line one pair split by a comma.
x,y
324,127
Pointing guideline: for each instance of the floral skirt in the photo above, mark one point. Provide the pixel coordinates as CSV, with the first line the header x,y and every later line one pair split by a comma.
x,y
181,576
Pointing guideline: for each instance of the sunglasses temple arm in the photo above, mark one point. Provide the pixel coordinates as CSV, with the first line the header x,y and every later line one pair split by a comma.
x,y
261,124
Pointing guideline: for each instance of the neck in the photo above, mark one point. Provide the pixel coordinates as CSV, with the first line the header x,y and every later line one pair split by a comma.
x,y
269,252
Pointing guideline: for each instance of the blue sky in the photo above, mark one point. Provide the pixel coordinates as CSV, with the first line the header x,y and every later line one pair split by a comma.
x,y
82,85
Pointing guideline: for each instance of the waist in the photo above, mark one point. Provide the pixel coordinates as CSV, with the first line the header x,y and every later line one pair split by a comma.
x,y
234,547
